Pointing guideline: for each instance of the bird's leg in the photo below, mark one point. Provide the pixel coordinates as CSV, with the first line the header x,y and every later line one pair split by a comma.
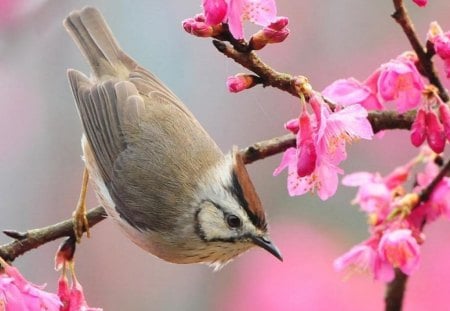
x,y
80,222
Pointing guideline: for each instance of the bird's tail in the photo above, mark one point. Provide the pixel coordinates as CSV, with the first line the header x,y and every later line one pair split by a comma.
x,y
90,32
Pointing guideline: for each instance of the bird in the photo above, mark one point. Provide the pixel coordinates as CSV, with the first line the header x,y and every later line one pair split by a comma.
x,y
154,168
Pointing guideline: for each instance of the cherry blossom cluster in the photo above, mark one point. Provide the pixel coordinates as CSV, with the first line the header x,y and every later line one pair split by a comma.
x,y
220,16
396,218
16,293
441,44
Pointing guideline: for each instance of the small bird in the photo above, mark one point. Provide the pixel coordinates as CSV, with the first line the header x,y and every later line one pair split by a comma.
x,y
154,168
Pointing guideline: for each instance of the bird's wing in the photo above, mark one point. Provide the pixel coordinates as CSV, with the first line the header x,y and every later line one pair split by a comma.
x,y
150,151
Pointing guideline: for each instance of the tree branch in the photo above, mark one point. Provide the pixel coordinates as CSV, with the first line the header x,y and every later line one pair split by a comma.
x,y
426,66
34,238
395,291
252,62
31,239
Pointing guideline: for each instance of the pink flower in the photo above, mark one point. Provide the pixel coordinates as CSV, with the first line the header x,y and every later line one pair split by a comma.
x,y
73,298
240,82
360,257
313,165
421,3
400,249
215,11
400,81
376,193
365,258
438,203
235,12
373,196
16,293
350,91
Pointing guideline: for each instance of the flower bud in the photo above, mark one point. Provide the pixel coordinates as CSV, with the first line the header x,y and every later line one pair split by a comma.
x,y
435,131
276,32
198,28
442,45
240,82
444,112
421,3
306,150
418,129
434,31
292,125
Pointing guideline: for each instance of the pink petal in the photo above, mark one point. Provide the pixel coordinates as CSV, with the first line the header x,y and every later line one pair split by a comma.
x,y
289,156
307,156
327,177
357,179
260,12
215,11
421,3
235,10
435,130
350,91
419,129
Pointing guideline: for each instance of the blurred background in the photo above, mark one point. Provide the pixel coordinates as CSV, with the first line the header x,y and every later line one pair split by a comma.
x,y
41,167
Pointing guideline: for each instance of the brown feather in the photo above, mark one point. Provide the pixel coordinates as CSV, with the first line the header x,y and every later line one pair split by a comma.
x,y
254,206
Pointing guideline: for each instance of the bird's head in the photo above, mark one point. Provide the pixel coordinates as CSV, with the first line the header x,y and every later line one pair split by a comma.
x,y
230,218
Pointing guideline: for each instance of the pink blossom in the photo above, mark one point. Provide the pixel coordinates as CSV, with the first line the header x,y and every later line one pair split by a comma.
x,y
239,82
360,257
16,293
421,3
438,203
435,132
73,298
400,249
350,91
364,257
235,12
373,196
447,67
400,81
323,179
215,11
376,193
419,128
321,147
442,45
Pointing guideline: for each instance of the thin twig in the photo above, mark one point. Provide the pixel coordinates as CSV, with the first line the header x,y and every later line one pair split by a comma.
x,y
426,66
252,62
37,237
425,194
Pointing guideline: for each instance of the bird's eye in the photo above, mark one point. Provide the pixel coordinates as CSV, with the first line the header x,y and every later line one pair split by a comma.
x,y
233,221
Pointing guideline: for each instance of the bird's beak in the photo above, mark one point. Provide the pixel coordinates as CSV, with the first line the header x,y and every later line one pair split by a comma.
x,y
265,243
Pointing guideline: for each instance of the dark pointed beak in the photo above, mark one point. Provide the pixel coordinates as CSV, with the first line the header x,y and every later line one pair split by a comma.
x,y
265,243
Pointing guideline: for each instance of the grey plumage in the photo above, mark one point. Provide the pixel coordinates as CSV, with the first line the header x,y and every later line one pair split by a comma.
x,y
159,167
